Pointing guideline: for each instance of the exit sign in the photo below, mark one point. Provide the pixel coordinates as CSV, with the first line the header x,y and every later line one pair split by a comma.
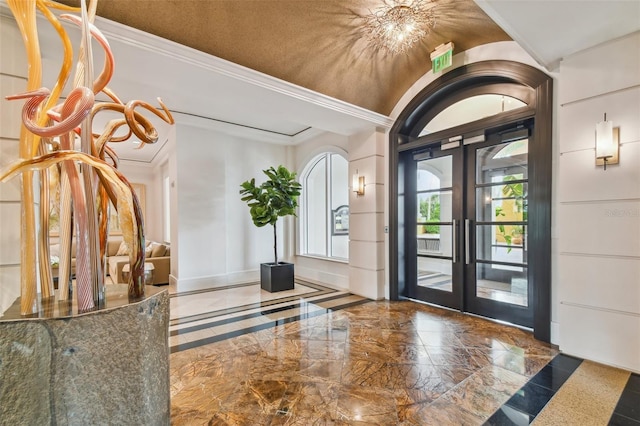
x,y
442,57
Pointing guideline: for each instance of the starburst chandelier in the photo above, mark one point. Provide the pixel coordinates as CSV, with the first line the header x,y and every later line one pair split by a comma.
x,y
398,25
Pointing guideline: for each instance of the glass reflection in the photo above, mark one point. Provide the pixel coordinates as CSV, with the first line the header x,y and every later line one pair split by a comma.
x,y
435,272
434,173
502,203
502,283
434,207
502,163
502,243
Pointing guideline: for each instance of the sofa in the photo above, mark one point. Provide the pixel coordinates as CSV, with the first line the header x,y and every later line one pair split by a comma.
x,y
156,253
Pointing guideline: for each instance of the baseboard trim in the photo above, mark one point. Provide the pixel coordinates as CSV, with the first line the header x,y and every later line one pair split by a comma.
x,y
213,281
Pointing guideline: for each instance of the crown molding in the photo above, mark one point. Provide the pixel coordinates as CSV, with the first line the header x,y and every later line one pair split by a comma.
x,y
141,40
146,41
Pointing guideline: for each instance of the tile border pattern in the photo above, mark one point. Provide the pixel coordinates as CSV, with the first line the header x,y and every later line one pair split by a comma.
x,y
294,304
319,291
627,411
525,405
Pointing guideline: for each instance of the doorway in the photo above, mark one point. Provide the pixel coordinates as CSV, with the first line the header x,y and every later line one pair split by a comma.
x,y
471,194
466,204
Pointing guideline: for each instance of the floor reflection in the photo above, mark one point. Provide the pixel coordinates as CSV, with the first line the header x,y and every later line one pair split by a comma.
x,y
321,356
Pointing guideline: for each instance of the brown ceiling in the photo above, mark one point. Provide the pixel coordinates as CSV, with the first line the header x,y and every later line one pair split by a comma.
x,y
316,44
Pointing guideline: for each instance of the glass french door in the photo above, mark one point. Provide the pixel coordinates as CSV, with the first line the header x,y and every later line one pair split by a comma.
x,y
466,210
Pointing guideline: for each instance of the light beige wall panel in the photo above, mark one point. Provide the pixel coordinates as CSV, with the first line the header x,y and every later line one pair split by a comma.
x,y
366,283
611,228
326,272
555,280
366,154
366,255
366,226
12,51
604,282
10,190
10,241
580,180
10,111
366,144
373,199
371,202
602,69
10,290
372,168
381,166
612,337
577,121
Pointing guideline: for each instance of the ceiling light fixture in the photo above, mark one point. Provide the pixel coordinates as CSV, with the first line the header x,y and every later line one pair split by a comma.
x,y
398,25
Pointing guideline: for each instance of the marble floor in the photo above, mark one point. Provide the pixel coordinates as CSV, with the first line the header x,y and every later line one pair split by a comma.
x,y
317,356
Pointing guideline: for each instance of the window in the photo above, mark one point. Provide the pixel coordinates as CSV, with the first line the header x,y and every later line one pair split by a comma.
x,y
324,207
471,109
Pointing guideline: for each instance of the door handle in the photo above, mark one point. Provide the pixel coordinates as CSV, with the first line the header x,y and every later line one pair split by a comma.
x,y
453,240
467,240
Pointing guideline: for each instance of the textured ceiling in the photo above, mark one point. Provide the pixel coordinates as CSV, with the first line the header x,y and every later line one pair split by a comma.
x,y
315,44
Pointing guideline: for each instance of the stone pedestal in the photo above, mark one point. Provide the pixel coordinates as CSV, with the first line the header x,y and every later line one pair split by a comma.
x,y
109,366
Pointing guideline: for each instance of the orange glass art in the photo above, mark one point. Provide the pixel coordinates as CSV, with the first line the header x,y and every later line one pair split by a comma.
x,y
47,156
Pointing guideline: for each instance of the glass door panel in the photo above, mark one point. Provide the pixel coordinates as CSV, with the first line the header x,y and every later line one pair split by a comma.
x,y
435,203
496,276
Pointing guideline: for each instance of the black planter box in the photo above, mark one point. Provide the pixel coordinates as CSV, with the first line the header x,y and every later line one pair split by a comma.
x,y
276,277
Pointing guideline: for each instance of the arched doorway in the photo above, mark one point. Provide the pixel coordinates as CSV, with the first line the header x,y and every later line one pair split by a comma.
x,y
486,127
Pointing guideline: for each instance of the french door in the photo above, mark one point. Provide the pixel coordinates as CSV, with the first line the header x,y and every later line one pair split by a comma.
x,y
466,208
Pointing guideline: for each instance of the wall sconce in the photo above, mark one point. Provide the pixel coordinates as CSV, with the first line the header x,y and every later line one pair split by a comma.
x,y
607,143
358,184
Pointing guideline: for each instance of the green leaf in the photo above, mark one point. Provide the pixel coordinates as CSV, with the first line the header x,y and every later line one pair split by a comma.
x,y
276,197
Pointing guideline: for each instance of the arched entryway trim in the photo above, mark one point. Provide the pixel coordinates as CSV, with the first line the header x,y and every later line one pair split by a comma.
x,y
443,92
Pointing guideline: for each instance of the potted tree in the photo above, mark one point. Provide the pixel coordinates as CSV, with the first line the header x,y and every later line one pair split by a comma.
x,y
276,197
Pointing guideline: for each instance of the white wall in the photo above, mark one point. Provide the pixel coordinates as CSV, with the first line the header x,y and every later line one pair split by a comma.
x,y
150,177
216,239
13,79
597,211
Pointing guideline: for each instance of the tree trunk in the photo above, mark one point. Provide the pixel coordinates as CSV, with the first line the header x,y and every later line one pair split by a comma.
x,y
275,245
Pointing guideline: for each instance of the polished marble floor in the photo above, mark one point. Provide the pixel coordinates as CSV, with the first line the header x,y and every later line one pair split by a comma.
x,y
317,356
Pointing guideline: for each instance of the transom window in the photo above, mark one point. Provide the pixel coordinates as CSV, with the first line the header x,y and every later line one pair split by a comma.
x,y
471,109
325,207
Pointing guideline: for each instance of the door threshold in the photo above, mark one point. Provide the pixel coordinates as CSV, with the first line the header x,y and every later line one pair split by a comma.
x,y
501,322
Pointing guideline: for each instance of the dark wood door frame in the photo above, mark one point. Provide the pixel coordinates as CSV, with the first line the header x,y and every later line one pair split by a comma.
x,y
442,93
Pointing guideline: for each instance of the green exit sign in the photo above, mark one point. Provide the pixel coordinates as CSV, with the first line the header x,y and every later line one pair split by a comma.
x,y
443,61
442,57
